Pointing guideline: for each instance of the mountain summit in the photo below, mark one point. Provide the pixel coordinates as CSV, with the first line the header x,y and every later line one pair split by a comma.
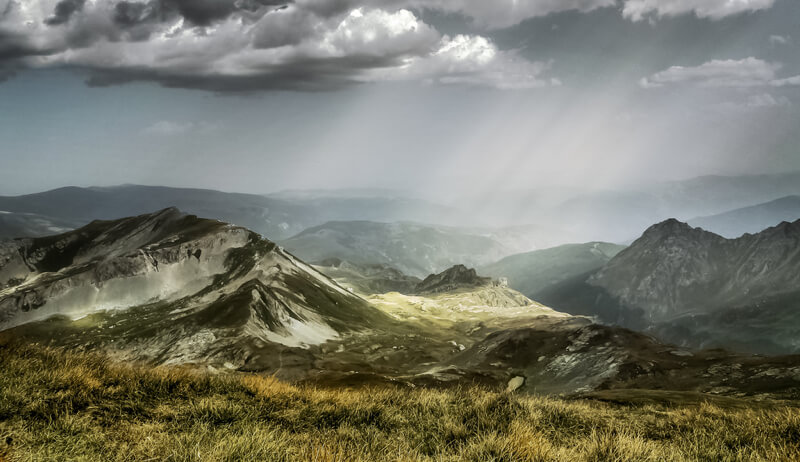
x,y
674,269
700,289
453,278
171,287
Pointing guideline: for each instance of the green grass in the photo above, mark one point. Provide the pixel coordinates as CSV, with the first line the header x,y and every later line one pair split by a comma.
x,y
57,405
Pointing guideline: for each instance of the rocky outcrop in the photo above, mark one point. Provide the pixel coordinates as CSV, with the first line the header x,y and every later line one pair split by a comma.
x,y
454,278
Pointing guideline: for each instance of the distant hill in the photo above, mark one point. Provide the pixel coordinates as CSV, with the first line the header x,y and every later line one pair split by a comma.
x,y
532,272
274,217
16,224
620,215
414,249
368,278
751,219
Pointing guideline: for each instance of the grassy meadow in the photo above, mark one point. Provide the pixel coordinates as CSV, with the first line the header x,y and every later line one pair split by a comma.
x,y
58,405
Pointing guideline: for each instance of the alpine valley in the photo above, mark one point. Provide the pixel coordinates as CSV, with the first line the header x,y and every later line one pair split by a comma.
x,y
168,288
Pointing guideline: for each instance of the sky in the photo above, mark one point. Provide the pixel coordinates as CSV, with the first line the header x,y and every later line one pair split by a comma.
x,y
442,97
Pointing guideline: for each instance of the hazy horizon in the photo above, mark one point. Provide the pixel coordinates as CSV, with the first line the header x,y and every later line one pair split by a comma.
x,y
438,98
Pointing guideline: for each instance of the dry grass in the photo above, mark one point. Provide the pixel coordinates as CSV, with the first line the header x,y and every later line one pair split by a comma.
x,y
67,406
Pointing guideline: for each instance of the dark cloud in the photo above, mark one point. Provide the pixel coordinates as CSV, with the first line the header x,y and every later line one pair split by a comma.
x,y
304,75
64,11
129,14
14,47
246,45
197,12
203,12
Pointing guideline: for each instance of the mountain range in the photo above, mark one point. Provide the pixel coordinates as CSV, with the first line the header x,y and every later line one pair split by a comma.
x,y
416,250
697,288
522,221
278,217
23,224
751,219
172,288
533,272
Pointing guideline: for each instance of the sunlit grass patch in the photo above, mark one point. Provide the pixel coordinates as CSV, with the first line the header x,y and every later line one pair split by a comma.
x,y
57,405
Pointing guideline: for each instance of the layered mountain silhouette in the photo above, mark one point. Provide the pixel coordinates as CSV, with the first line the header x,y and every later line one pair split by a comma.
x,y
172,288
533,272
698,288
415,249
752,219
279,217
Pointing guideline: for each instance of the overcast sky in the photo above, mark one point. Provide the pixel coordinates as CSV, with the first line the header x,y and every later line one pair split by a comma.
x,y
440,96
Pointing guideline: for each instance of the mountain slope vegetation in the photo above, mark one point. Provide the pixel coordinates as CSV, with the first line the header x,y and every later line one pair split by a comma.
x,y
172,288
414,249
57,405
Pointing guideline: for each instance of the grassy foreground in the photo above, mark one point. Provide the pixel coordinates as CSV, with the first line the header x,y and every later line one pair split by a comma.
x,y
69,406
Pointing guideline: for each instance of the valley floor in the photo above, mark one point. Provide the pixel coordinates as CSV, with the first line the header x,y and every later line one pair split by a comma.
x,y
58,405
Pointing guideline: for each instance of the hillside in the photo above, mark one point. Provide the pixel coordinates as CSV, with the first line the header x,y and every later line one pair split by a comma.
x,y
751,219
278,217
414,249
14,224
172,288
367,278
698,288
57,405
532,272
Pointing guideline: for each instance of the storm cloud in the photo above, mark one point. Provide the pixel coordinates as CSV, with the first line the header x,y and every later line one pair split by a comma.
x,y
251,45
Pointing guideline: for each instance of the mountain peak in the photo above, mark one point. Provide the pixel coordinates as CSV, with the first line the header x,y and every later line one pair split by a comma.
x,y
455,277
670,225
675,228
784,228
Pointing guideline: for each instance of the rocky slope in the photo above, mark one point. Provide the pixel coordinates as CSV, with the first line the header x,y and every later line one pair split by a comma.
x,y
455,278
170,287
698,288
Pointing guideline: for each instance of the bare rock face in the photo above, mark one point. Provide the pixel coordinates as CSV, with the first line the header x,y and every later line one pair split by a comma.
x,y
457,277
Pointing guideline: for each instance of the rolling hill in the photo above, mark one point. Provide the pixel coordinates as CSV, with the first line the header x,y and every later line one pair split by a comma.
x,y
278,217
532,272
414,249
751,219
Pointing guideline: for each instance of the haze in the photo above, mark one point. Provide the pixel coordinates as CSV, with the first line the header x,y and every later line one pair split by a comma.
x,y
444,100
